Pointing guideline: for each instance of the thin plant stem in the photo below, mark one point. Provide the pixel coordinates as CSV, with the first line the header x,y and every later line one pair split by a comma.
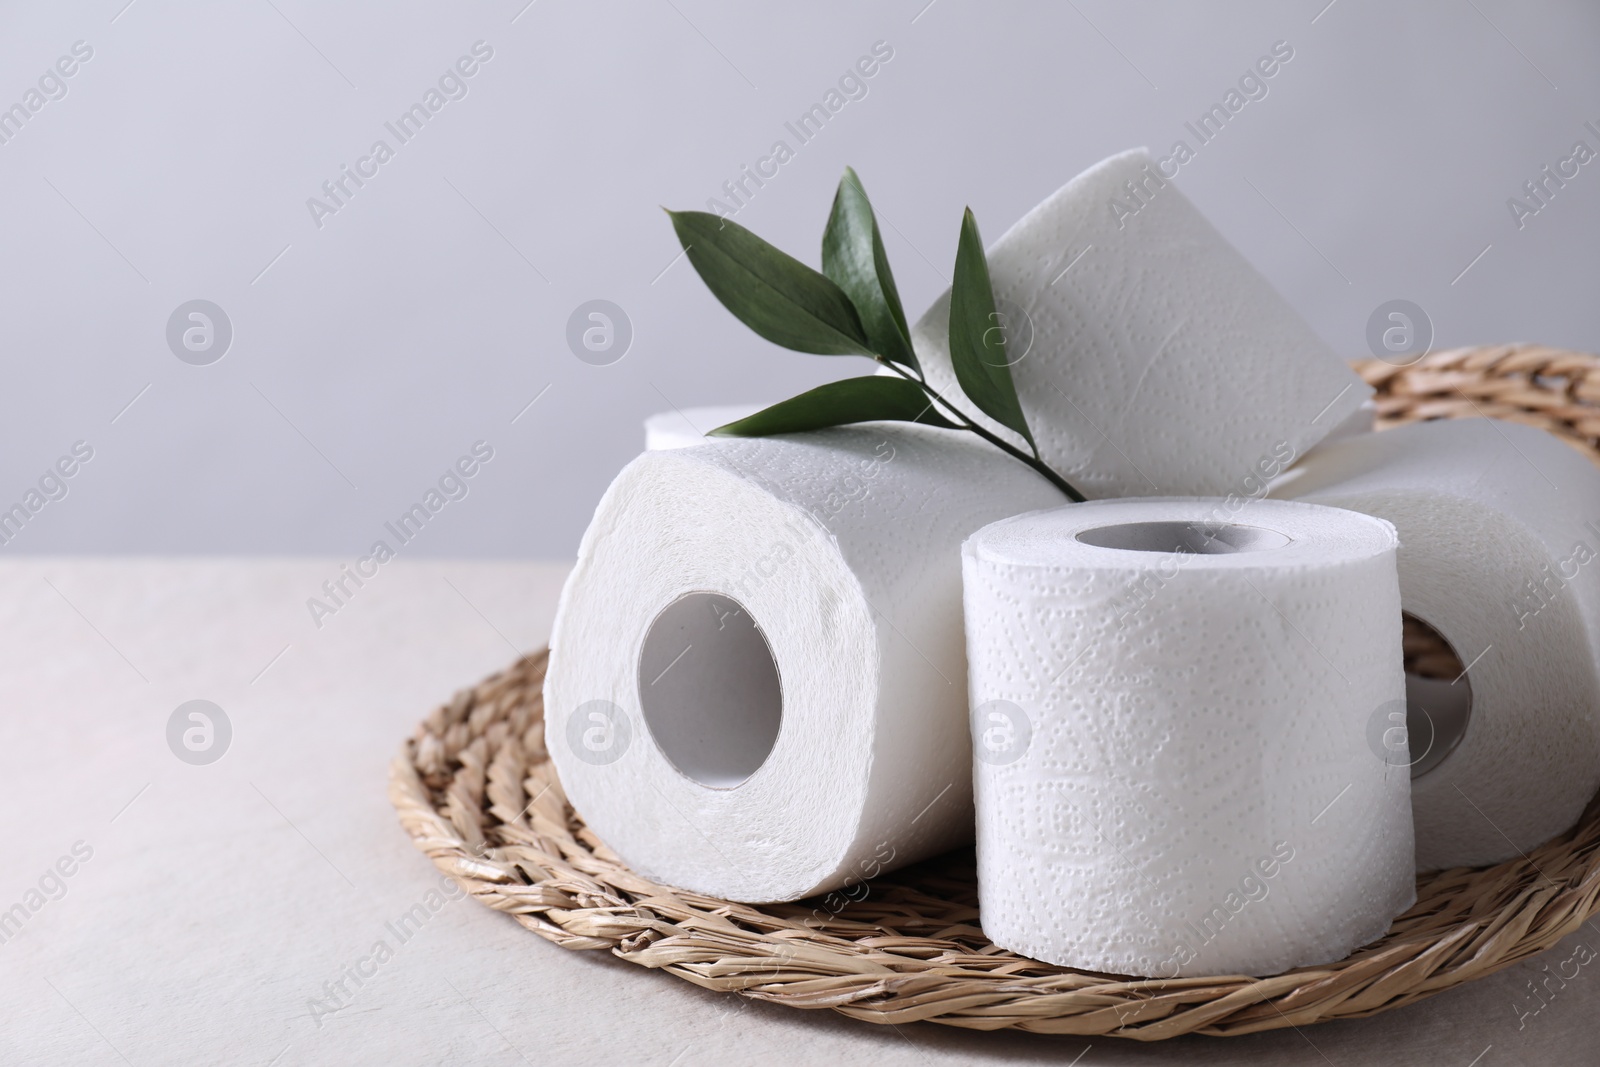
x,y
1009,449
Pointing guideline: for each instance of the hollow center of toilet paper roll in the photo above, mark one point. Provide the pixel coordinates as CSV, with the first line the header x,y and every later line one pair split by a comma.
x,y
1438,696
1192,538
709,689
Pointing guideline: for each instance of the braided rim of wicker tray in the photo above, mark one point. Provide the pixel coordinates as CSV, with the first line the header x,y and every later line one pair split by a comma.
x,y
478,794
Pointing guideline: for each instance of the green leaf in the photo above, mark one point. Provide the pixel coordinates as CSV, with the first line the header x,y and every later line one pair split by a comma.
x,y
978,338
853,256
874,398
771,292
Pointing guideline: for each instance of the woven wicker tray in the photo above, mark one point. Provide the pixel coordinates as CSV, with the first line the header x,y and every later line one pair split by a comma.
x,y
476,791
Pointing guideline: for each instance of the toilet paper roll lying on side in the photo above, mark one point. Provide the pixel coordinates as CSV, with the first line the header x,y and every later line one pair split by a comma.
x,y
1499,532
1149,356
686,427
1170,700
757,685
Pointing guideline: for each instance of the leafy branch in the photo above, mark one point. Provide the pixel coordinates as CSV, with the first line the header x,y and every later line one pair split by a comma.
x,y
852,308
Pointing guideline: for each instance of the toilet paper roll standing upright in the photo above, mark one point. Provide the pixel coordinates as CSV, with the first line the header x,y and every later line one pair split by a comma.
x,y
1500,554
757,684
1169,703
1149,356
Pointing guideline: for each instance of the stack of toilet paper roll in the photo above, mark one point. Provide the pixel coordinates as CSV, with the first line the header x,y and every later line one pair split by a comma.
x,y
1186,718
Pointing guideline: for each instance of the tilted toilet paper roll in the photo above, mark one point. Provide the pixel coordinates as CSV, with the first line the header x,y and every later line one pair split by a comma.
x,y
1499,535
757,684
1149,356
1169,704
687,427
1362,420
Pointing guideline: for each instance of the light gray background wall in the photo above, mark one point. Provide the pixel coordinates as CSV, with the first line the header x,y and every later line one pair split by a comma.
x,y
370,352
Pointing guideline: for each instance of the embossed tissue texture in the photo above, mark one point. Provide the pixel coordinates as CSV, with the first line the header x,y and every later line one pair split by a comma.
x,y
1196,796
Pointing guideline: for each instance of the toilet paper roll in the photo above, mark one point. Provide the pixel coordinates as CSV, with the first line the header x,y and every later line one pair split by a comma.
x,y
1363,419
1150,358
1170,700
757,684
686,427
1499,532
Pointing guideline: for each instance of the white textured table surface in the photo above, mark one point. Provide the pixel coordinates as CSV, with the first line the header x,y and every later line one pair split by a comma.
x,y
219,902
